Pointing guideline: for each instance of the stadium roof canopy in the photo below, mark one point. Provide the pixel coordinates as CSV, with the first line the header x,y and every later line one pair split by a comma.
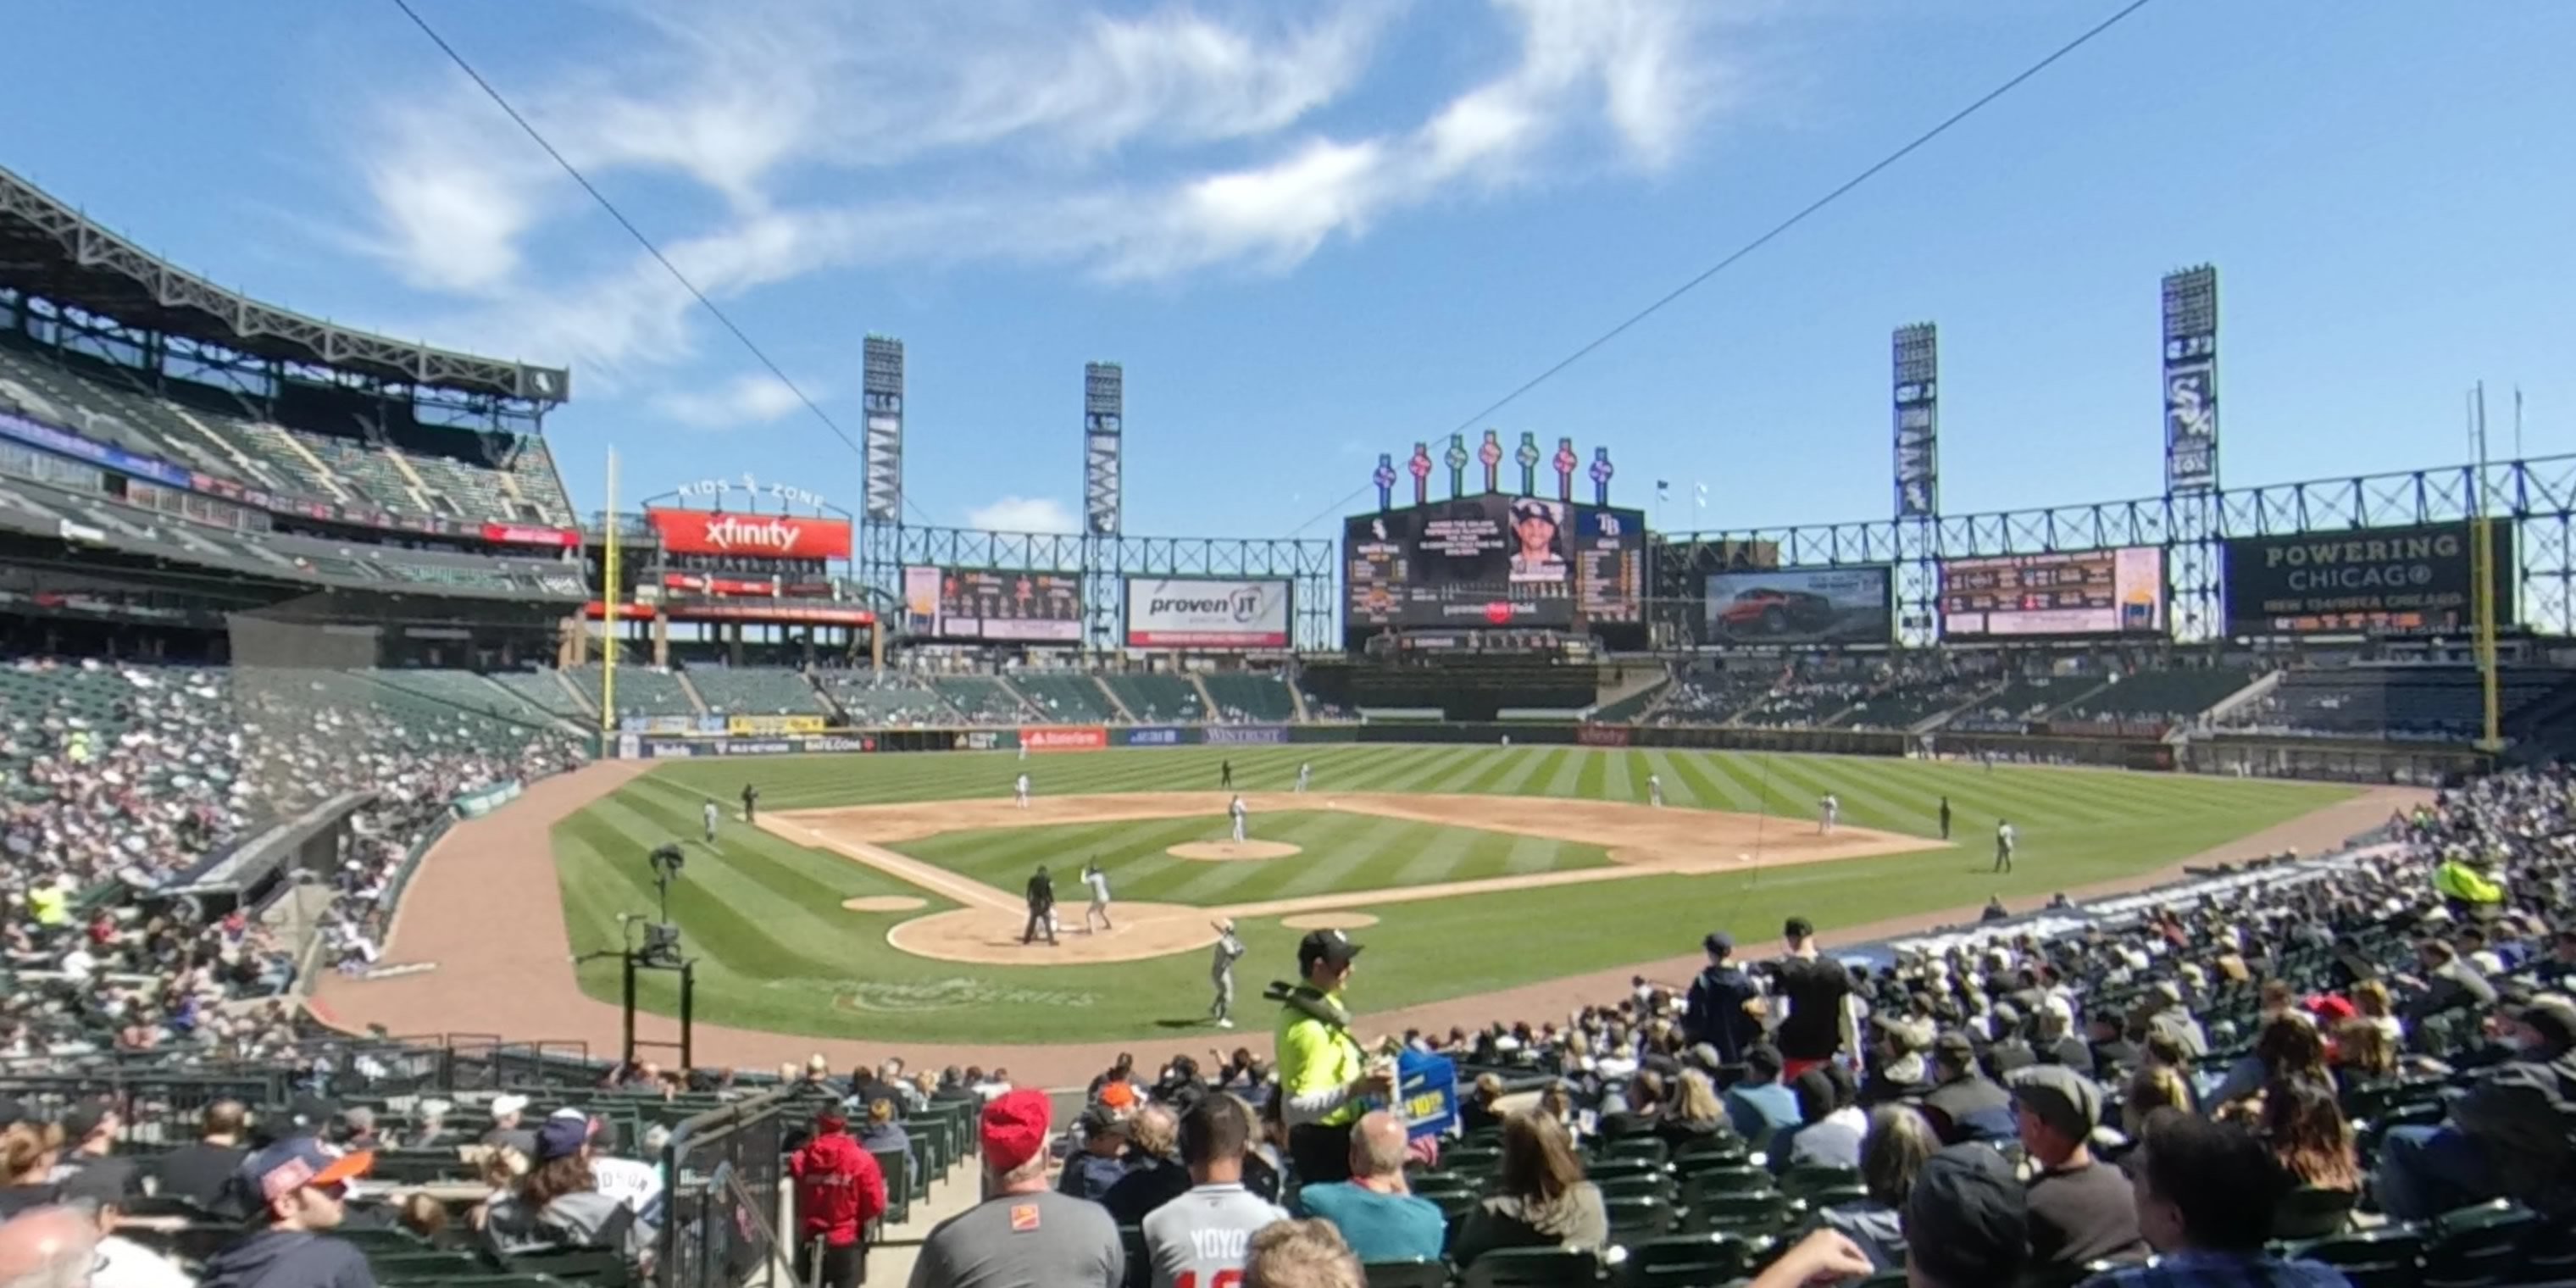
x,y
50,250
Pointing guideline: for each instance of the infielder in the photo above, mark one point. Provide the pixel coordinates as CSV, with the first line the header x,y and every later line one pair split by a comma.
x,y
1832,809
1237,811
1305,773
1020,791
711,813
1024,751
2003,846
1098,880
1655,790
1221,973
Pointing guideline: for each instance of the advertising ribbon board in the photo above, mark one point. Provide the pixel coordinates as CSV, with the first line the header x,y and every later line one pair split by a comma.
x,y
773,724
1246,735
1064,738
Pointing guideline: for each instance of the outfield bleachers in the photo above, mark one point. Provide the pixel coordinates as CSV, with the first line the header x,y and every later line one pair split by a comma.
x,y
641,690
544,691
1157,699
1063,697
470,691
756,690
981,699
1250,697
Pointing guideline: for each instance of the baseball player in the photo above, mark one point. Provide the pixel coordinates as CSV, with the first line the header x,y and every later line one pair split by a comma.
x,y
2003,846
1832,809
1041,907
1024,751
1098,880
1020,791
1305,774
1237,811
1655,790
1221,973
1225,775
710,813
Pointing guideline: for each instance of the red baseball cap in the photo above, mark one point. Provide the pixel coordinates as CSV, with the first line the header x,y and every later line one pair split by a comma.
x,y
1015,1128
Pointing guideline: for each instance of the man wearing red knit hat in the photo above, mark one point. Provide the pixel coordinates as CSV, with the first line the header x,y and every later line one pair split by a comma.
x,y
1023,1232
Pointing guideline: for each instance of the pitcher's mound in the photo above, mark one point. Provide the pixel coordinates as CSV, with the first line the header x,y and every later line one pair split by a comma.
x,y
991,936
1328,921
884,903
1227,851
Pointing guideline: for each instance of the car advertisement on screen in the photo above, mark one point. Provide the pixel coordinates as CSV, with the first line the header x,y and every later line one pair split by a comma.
x,y
1800,606
1206,613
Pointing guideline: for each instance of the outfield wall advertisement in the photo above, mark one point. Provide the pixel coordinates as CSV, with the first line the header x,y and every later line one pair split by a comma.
x,y
1801,606
1207,613
1246,735
1064,737
2376,579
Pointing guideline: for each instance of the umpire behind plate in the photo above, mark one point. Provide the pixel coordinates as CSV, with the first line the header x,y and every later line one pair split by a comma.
x,y
1326,1079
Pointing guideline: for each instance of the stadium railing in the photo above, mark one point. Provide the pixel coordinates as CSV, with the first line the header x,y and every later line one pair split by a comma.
x,y
724,1171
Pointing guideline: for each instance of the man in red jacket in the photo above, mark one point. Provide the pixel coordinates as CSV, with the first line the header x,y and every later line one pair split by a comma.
x,y
838,1191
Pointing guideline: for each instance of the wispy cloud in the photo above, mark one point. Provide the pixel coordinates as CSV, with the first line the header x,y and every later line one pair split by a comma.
x,y
1023,514
1131,147
754,399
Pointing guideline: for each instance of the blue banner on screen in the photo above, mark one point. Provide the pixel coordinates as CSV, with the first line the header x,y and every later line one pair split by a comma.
x,y
1428,1085
1800,606
37,434
1245,735
1151,737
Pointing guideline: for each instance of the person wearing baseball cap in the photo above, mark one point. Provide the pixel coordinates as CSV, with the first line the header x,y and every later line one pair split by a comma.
x,y
296,1190
1325,1081
1714,1012
559,1204
1023,1232
2081,1209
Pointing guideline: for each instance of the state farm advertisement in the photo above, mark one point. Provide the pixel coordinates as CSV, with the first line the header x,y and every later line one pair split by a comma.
x,y
774,536
1064,738
1198,612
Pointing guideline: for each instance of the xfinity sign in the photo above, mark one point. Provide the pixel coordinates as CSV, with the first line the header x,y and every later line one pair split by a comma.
x,y
1207,613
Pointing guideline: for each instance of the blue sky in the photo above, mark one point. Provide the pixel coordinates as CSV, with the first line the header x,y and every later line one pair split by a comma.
x,y
1319,231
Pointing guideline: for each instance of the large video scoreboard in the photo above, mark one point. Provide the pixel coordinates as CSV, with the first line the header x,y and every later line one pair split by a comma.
x,y
993,604
1497,561
2079,592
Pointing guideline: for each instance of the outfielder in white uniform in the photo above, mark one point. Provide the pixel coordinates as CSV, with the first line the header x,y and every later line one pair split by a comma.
x,y
1024,751
1305,772
1832,811
1221,973
1655,790
1098,880
1237,811
1020,791
711,813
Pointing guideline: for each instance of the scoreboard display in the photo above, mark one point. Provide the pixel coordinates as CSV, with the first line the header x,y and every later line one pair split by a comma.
x,y
2084,592
1496,561
991,604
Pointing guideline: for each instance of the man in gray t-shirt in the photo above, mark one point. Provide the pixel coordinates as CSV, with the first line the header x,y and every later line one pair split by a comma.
x,y
1205,1233
1026,1233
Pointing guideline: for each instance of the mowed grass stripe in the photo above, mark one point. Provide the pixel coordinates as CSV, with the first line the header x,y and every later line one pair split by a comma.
x,y
707,909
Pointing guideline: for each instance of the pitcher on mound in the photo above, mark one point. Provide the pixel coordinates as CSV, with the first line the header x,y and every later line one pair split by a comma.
x,y
1237,811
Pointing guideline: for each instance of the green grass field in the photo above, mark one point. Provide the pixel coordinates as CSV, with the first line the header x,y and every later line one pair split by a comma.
x,y
777,951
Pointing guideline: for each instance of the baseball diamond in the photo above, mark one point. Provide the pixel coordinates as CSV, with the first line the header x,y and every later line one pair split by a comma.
x,y
1484,869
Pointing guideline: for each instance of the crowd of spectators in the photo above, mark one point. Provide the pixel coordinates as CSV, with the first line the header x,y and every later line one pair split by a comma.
x,y
123,778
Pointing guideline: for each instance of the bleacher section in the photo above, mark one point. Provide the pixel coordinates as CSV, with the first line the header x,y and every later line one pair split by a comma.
x,y
468,691
1064,699
2023,699
2443,703
2173,695
1248,698
873,700
755,691
641,690
981,699
1156,699
542,690
346,448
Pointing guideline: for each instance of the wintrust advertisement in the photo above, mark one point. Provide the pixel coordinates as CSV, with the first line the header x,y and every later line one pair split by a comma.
x,y
774,536
1205,613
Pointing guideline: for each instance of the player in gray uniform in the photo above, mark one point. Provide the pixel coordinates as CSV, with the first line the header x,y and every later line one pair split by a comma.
x,y
1200,1238
1221,972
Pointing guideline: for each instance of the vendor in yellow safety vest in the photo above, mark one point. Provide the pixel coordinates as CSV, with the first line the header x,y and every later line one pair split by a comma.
x,y
2468,891
1326,1078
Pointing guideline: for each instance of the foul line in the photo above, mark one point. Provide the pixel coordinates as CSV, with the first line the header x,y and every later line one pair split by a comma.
x,y
964,890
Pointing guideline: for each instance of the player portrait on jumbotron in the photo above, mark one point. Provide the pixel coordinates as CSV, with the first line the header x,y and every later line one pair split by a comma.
x,y
1538,540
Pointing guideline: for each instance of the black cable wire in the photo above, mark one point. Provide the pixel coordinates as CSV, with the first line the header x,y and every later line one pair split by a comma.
x,y
713,310
1776,231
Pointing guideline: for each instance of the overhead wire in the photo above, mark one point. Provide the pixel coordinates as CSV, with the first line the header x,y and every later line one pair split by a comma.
x,y
713,309
1773,233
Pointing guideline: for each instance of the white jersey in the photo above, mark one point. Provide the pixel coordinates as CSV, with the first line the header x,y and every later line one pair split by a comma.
x,y
1099,883
1021,785
2004,835
1237,809
1228,950
711,818
1200,1239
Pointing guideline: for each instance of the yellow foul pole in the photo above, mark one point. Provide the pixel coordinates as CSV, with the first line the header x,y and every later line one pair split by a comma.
x,y
2482,568
608,605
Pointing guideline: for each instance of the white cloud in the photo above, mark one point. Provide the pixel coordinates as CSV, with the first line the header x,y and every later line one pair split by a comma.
x,y
1140,146
753,399
1023,514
